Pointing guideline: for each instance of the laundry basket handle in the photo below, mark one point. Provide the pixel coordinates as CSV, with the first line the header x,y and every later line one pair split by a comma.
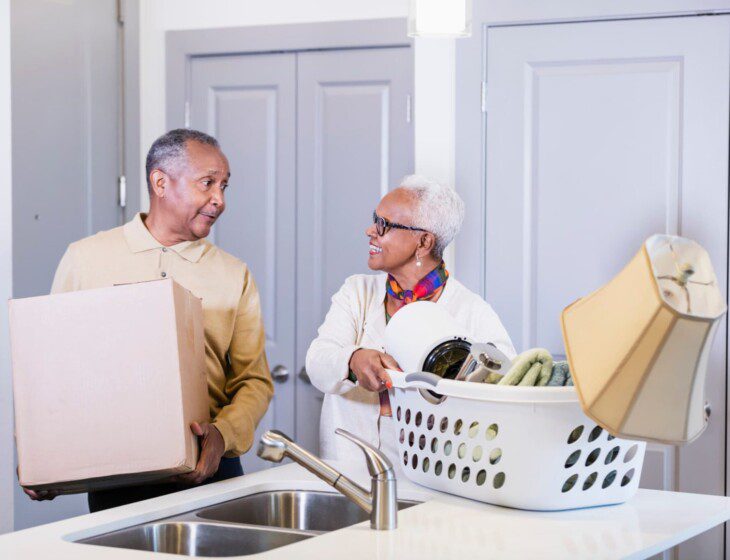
x,y
424,376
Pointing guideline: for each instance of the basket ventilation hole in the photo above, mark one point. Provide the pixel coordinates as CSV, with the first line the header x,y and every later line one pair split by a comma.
x,y
610,437
498,481
398,414
631,453
611,457
444,424
430,422
434,445
402,436
575,434
495,455
568,484
593,456
590,481
595,432
572,459
411,437
477,453
408,415
422,442
627,477
447,448
610,477
492,432
452,470
474,429
461,451
465,474
425,464
457,426
438,468
405,458
419,419
481,477
414,461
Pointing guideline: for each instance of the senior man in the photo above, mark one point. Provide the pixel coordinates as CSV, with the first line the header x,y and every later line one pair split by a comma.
x,y
187,176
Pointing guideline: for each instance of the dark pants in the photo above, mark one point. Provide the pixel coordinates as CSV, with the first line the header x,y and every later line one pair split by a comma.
x,y
105,499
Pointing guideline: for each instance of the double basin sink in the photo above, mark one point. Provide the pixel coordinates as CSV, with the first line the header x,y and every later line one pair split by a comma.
x,y
247,525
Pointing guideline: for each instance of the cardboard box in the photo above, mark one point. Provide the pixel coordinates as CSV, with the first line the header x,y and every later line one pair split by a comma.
x,y
106,384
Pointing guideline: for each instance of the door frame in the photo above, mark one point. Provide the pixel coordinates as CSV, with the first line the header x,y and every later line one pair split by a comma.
x,y
182,46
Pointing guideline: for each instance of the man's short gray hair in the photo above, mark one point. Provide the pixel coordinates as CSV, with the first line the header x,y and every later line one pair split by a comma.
x,y
439,209
171,146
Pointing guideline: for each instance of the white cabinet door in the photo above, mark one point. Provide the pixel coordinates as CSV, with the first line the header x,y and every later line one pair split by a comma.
x,y
598,135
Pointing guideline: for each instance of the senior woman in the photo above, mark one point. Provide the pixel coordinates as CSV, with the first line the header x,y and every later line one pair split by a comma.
x,y
412,226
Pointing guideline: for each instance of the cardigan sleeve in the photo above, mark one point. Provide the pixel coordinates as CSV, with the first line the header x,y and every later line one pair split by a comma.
x,y
328,357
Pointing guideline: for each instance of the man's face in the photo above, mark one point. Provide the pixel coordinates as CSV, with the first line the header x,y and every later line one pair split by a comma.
x,y
194,195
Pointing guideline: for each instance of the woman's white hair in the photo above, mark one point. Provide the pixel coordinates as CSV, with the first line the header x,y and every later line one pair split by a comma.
x,y
439,210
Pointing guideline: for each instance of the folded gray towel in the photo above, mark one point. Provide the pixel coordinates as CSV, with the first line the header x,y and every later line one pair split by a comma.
x,y
560,376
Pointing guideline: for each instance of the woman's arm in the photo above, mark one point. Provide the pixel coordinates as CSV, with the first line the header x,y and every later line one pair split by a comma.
x,y
329,354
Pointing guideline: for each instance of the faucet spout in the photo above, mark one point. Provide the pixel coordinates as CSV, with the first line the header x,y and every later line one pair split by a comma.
x,y
380,502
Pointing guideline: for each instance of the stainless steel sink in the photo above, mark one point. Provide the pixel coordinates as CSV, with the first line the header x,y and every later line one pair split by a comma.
x,y
307,511
243,526
197,539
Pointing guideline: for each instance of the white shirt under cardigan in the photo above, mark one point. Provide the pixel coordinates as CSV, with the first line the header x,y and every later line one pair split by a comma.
x,y
356,320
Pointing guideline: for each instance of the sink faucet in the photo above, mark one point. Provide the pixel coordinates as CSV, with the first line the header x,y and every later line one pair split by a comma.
x,y
380,502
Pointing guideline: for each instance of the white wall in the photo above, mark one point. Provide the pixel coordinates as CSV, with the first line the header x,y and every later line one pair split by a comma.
x,y
434,82
7,476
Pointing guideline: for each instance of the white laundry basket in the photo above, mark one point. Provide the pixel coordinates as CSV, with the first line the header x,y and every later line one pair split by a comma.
x,y
521,447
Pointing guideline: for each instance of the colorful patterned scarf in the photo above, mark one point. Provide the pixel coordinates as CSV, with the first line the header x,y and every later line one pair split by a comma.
x,y
424,289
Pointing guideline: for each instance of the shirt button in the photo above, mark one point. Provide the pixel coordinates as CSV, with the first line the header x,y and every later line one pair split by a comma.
x,y
164,249
164,274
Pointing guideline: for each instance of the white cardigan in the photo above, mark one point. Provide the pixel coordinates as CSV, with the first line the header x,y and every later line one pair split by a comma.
x,y
356,320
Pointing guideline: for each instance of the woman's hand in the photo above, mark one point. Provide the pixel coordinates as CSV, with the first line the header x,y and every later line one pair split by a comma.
x,y
369,368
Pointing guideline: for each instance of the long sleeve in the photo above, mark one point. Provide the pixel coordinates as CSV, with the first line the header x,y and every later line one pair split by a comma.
x,y
328,357
491,329
248,381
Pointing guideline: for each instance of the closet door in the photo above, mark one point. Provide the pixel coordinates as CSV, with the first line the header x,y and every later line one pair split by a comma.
x,y
599,135
354,143
248,103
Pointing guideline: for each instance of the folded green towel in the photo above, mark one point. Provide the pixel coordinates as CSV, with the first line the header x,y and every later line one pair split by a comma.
x,y
532,368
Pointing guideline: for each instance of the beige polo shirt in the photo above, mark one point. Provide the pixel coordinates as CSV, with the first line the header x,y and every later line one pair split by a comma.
x,y
239,382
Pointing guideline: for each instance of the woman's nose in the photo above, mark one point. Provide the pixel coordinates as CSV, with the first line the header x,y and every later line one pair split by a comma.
x,y
371,231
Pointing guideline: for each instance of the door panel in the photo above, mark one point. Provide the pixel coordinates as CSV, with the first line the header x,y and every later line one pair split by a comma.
x,y
355,142
65,101
592,145
248,104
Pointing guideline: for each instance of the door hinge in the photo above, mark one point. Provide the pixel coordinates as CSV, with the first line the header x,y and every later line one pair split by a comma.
x,y
120,12
484,97
409,108
123,191
187,114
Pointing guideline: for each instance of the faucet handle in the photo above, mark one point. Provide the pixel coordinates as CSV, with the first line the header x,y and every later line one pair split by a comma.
x,y
378,463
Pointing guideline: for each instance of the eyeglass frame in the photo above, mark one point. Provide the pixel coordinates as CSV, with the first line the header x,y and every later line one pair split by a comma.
x,y
387,225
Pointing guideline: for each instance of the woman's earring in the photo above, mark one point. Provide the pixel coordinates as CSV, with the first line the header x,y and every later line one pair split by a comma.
x,y
418,259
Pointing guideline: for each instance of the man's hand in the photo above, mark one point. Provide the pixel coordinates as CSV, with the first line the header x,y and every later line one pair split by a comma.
x,y
212,449
38,495
369,368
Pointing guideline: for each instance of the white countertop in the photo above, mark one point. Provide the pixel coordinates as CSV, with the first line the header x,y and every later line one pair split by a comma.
x,y
443,526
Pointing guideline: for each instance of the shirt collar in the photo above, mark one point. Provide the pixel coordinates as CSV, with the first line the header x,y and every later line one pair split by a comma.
x,y
139,239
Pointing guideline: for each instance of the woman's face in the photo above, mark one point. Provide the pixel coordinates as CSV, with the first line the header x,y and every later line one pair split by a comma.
x,y
398,246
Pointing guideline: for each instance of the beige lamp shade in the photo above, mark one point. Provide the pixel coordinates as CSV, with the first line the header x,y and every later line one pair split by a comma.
x,y
638,347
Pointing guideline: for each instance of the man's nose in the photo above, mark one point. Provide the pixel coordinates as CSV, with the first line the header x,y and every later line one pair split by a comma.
x,y
217,197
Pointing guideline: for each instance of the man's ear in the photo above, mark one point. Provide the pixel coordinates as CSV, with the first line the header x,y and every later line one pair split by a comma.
x,y
159,181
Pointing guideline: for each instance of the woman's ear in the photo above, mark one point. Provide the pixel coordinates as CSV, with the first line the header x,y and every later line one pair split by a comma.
x,y
427,242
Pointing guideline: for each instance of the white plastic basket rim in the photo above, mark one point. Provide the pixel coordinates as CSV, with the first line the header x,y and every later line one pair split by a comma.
x,y
482,391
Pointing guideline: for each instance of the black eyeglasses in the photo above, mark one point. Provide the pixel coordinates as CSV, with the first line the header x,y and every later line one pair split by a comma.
x,y
382,225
